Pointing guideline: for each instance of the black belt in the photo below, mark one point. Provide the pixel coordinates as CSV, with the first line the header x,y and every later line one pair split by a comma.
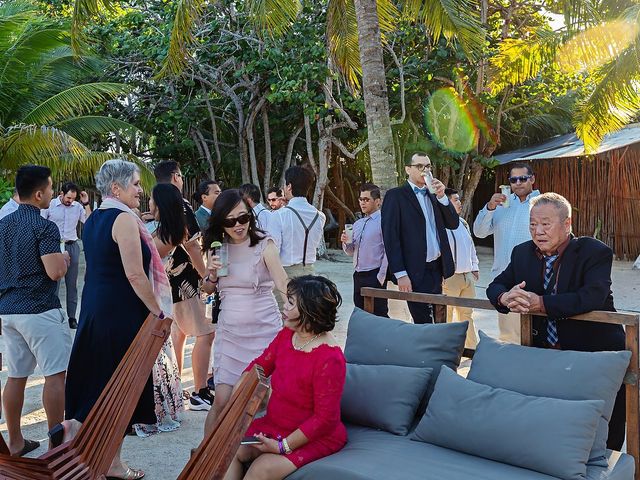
x,y
367,272
433,264
70,242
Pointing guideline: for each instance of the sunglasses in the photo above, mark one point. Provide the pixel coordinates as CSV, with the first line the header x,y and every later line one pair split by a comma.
x,y
272,199
231,222
521,179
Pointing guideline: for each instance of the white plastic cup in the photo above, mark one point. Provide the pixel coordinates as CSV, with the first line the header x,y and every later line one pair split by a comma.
x,y
223,253
428,180
62,246
348,229
506,191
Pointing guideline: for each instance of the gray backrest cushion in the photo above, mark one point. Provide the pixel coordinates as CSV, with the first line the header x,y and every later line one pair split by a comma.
x,y
383,396
373,340
547,435
568,375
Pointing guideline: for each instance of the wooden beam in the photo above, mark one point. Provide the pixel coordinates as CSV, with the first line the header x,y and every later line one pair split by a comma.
x,y
632,399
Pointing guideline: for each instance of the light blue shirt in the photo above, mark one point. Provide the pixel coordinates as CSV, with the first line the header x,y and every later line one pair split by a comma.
x,y
367,248
9,207
509,226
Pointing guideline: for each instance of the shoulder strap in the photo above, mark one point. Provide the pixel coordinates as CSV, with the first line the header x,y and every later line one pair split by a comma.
x,y
306,231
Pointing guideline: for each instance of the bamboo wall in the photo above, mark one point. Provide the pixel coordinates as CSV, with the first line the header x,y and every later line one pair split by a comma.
x,y
604,191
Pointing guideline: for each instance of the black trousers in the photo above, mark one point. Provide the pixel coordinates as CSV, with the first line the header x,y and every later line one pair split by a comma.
x,y
369,279
431,283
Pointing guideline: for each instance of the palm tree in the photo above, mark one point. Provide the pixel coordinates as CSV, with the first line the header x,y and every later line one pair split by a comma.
x,y
46,112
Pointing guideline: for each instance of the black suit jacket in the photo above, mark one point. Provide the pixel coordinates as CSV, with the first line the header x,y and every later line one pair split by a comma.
x,y
404,232
584,284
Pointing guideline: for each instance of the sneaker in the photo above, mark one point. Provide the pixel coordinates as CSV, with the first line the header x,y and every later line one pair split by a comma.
x,y
201,401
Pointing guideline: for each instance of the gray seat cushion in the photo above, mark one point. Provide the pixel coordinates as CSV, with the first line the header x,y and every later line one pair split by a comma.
x,y
548,435
376,455
373,340
383,396
568,375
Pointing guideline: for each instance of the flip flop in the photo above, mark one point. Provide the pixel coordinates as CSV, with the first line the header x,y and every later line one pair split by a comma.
x,y
130,474
29,446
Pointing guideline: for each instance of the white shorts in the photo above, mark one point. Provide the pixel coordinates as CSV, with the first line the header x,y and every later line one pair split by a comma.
x,y
41,339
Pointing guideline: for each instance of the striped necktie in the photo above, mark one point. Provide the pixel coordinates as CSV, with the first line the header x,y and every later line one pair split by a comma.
x,y
552,330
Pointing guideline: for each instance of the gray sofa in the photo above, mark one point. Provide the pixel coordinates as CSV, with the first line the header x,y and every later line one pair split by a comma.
x,y
409,416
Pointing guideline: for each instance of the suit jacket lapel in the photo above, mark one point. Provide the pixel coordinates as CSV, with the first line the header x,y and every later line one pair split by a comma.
x,y
411,197
567,263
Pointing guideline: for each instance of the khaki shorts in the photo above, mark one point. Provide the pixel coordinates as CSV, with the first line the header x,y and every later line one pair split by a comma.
x,y
189,317
41,339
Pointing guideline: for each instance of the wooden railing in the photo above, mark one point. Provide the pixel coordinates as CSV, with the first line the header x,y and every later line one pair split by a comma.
x,y
630,322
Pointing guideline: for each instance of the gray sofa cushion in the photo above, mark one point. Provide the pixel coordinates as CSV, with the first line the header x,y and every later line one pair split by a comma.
x,y
383,396
548,435
377,455
373,340
568,375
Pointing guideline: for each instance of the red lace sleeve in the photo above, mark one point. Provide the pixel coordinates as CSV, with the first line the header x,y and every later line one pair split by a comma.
x,y
328,384
268,358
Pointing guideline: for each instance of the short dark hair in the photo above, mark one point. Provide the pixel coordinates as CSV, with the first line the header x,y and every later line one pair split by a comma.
x,y
318,301
408,158
276,190
300,179
30,179
164,170
249,190
521,165
372,188
69,187
450,191
172,226
203,189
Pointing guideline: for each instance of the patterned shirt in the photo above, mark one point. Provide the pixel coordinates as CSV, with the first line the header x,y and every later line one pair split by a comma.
x,y
9,207
509,226
183,277
25,286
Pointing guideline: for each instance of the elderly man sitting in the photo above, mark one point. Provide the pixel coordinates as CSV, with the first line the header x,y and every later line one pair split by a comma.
x,y
562,276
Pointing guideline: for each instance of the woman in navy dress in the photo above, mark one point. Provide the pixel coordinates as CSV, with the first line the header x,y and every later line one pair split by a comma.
x,y
117,297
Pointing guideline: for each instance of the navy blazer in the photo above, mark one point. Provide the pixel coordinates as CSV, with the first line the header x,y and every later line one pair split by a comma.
x,y
404,231
584,284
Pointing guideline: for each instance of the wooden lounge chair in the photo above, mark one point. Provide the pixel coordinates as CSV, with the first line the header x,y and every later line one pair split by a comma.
x,y
214,455
89,455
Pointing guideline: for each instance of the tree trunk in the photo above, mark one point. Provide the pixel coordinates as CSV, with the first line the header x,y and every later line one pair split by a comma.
x,y
374,90
289,154
470,189
251,142
324,154
267,149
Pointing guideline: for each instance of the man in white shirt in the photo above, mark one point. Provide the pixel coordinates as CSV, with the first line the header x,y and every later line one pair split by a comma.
x,y
66,213
251,194
275,198
298,228
463,281
509,225
11,206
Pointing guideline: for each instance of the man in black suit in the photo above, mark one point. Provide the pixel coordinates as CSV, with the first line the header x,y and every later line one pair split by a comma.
x,y
415,240
562,276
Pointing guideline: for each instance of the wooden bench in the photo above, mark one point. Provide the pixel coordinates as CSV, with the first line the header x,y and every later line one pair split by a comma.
x,y
630,322
89,454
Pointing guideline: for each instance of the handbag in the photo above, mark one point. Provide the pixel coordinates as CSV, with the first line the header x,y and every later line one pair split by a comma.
x,y
214,300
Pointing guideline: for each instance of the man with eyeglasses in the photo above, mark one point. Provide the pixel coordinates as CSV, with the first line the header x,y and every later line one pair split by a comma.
x,y
510,227
275,198
367,249
414,223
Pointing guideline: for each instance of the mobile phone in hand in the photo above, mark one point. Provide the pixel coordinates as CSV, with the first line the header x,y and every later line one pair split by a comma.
x,y
251,440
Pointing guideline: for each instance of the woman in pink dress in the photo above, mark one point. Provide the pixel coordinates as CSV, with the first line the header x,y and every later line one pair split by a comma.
x,y
307,370
249,318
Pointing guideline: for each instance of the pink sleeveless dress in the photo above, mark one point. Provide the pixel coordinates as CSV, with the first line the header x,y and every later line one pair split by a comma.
x,y
249,317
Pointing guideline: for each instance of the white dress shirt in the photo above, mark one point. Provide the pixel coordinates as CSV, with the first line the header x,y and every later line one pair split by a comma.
x,y
262,217
9,207
367,247
66,218
463,250
288,232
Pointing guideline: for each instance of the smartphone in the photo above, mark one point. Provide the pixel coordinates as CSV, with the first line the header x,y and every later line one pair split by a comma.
x,y
250,441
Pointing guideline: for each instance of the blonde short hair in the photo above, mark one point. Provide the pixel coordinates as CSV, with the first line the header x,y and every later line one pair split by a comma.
x,y
558,201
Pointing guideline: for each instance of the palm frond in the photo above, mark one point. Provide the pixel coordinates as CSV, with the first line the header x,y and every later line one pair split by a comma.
x,y
74,101
614,102
273,17
87,127
187,17
83,10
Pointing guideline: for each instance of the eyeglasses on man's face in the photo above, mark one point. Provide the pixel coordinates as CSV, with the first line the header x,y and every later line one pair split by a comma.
x,y
421,166
520,178
365,199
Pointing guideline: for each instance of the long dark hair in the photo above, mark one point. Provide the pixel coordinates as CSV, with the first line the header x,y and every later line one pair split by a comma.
x,y
227,201
172,226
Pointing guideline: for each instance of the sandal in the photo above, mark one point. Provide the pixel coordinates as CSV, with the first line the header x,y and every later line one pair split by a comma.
x,y
130,474
29,446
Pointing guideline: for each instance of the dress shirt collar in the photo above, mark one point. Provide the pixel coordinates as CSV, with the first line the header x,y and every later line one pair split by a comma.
x,y
534,193
298,201
57,202
205,209
413,185
374,215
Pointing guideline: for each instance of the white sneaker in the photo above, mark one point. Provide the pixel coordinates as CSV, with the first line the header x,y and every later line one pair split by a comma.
x,y
200,401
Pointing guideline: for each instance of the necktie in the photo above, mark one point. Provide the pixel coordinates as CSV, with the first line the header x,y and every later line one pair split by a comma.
x,y
552,331
422,190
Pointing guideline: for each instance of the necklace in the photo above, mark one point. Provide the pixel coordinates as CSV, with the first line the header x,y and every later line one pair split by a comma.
x,y
301,347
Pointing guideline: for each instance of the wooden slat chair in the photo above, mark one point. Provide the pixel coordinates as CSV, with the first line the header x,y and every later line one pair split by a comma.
x,y
214,455
89,454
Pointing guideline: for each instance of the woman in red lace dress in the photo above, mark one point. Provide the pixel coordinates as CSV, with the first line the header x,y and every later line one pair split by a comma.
x,y
307,370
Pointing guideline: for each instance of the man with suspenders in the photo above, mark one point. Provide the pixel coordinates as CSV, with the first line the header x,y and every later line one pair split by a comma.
x,y
299,226
251,194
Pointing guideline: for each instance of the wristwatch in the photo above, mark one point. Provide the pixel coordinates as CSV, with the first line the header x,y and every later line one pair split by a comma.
x,y
85,204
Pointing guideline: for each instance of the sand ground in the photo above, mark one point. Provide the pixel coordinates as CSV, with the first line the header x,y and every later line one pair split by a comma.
x,y
163,456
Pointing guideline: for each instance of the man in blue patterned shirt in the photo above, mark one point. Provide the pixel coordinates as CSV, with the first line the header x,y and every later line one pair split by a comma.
x,y
33,322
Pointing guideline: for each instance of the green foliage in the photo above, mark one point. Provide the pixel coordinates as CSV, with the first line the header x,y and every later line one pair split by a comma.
x,y
6,191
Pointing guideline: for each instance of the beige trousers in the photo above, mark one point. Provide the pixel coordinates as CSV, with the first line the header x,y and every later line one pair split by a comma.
x,y
462,285
509,325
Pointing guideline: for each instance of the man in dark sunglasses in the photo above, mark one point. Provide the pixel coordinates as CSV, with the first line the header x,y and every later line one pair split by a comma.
x,y
507,219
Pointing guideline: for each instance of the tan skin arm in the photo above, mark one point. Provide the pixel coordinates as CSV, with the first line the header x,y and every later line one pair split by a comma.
x,y
55,264
194,249
125,234
271,257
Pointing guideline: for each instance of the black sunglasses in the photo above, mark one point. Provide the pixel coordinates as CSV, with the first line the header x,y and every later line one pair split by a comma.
x,y
242,220
521,178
